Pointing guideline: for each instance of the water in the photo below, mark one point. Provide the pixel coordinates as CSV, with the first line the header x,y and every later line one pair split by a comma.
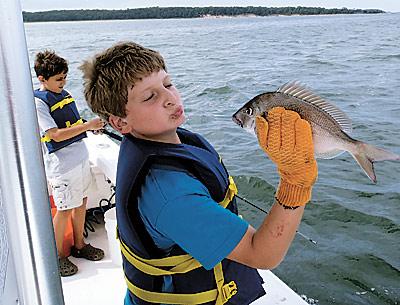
x,y
218,64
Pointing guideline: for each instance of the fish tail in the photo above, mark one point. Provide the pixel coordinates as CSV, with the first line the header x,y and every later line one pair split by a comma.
x,y
367,154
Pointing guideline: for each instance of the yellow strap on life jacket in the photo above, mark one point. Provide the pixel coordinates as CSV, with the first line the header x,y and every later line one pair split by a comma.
x,y
46,138
181,264
225,291
230,193
174,264
68,123
172,298
62,103
220,295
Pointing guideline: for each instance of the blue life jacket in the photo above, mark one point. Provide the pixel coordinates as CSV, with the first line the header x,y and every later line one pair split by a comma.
x,y
65,114
143,263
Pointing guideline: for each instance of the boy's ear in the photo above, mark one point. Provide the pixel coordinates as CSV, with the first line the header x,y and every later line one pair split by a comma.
x,y
119,124
41,78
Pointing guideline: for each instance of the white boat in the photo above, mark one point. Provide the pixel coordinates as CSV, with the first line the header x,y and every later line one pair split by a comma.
x,y
102,282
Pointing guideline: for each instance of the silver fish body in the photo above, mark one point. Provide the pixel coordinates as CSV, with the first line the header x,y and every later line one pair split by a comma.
x,y
330,125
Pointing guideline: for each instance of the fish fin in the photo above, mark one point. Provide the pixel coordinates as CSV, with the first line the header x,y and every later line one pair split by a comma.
x,y
300,91
367,154
367,165
377,154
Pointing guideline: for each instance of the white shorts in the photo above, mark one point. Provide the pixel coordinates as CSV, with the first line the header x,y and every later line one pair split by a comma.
x,y
69,189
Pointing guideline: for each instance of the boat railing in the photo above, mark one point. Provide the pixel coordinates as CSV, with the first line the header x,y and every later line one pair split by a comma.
x,y
23,183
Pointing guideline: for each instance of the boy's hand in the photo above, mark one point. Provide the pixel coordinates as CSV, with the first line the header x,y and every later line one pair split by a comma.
x,y
287,140
95,124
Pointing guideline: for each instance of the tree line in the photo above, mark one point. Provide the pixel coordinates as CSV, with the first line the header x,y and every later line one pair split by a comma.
x,y
183,12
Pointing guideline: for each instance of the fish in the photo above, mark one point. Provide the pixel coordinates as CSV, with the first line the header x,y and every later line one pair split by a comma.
x,y
331,127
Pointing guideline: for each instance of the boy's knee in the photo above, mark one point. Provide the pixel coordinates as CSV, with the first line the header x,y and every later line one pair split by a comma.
x,y
64,213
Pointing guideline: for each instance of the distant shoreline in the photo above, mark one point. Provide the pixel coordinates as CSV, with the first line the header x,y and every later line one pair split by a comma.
x,y
185,12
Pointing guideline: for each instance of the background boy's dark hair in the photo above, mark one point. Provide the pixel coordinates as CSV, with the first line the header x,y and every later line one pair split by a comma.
x,y
48,64
108,75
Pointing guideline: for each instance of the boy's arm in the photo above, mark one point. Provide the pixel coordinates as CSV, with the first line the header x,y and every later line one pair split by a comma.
x,y
287,139
61,134
266,247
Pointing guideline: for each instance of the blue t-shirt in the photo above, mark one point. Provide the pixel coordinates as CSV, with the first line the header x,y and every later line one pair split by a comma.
x,y
176,208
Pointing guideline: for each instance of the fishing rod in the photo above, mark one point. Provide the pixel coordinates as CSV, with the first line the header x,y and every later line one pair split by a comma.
x,y
106,132
111,135
119,138
262,210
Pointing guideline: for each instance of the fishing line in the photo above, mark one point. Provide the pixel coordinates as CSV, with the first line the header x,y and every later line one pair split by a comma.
x,y
262,210
119,138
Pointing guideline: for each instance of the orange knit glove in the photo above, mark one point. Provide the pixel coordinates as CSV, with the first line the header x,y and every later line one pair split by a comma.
x,y
287,140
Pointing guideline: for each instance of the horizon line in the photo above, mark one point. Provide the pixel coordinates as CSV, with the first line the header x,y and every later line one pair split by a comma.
x,y
158,6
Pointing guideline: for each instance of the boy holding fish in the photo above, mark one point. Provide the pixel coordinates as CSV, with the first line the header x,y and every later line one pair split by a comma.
x,y
182,241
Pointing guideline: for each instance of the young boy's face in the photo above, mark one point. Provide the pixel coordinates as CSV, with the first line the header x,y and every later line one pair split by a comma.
x,y
154,108
54,83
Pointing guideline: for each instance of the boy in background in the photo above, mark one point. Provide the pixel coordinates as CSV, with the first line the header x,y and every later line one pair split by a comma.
x,y
182,241
65,154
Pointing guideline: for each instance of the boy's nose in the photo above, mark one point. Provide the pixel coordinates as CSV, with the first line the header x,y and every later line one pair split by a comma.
x,y
170,102
169,99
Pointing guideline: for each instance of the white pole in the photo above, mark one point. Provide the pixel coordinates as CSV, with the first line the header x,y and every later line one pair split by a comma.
x,y
23,182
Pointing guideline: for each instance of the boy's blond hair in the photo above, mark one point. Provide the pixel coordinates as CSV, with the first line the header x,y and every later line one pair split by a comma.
x,y
108,75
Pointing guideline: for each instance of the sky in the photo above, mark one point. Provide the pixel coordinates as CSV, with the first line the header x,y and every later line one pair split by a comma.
x,y
46,5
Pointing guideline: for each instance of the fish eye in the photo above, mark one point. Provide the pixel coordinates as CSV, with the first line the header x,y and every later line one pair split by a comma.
x,y
249,111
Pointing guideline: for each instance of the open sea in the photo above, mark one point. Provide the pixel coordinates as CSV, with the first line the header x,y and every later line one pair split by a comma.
x,y
220,63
